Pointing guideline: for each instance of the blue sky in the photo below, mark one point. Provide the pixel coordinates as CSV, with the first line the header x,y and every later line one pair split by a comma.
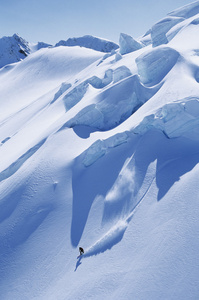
x,y
52,20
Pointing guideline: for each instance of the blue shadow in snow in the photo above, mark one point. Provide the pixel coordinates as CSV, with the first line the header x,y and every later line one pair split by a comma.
x,y
97,179
24,228
83,131
14,167
78,263
174,158
173,170
10,202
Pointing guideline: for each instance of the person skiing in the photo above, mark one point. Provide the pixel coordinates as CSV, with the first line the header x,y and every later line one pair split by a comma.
x,y
81,250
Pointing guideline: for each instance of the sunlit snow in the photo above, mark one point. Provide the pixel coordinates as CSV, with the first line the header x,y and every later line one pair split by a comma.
x,y
99,148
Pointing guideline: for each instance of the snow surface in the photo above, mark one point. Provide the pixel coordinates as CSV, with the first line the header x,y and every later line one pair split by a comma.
x,y
102,151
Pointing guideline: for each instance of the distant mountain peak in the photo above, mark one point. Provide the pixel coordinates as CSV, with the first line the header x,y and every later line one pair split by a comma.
x,y
13,49
91,42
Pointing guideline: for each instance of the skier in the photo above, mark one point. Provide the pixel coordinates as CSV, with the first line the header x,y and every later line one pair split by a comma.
x,y
81,250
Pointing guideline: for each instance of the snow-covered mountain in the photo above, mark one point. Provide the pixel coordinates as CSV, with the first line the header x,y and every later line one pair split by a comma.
x,y
90,42
102,151
15,48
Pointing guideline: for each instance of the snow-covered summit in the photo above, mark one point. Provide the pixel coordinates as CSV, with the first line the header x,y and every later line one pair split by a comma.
x,y
13,49
91,42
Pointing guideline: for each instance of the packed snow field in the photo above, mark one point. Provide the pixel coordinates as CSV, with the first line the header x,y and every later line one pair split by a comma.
x,y
99,148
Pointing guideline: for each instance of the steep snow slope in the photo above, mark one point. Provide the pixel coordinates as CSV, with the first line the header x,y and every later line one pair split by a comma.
x,y
40,73
102,152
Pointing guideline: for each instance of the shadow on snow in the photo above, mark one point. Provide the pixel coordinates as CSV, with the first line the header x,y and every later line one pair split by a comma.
x,y
173,158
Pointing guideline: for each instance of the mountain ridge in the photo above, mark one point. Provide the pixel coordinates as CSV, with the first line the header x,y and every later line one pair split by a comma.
x,y
15,48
